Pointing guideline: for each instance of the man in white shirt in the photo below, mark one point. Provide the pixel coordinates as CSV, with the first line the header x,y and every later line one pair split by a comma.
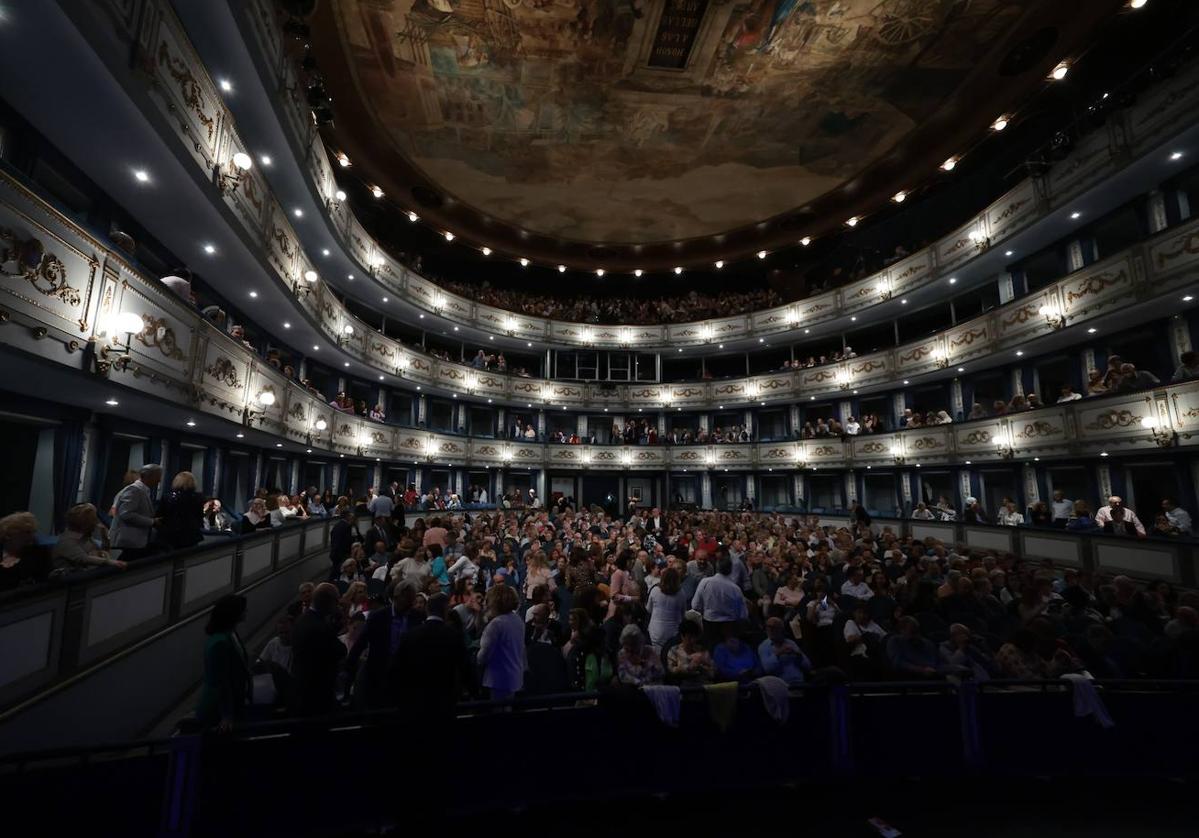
x,y
852,427
1118,519
855,586
1068,395
1063,509
134,518
719,601
1178,518
858,629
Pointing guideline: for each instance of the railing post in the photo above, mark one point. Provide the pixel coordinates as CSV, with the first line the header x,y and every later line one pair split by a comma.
x,y
841,753
972,753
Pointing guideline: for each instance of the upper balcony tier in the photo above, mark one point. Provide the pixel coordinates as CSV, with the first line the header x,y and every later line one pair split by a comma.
x,y
70,303
190,99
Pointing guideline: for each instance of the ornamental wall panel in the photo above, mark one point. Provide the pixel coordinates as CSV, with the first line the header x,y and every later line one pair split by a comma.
x,y
959,246
1014,211
1098,288
910,273
183,90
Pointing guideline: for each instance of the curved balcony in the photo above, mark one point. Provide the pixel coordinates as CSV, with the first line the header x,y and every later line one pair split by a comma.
x,y
1140,283
66,297
188,97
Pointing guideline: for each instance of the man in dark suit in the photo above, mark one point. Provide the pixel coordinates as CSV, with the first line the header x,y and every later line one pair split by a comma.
x,y
381,531
316,653
341,538
655,523
397,510
385,628
430,665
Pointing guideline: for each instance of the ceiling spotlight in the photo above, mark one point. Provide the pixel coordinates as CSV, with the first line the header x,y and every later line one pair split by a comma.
x,y
241,436
385,299
298,213
486,251
278,444
599,271
343,160
1187,298
638,272
805,241
378,193
265,160
561,269
209,249
286,325
1059,72
953,280
347,363
339,195
449,236
1092,330
1175,156
852,222
1008,252
112,402
1019,352
315,348
899,197
719,265
191,423
948,165
678,270
253,295
380,378
226,85
141,175
324,251
999,124
1074,216
761,254
1137,4
524,263
413,217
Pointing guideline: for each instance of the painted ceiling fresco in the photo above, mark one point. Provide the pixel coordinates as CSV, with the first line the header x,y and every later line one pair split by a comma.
x,y
652,120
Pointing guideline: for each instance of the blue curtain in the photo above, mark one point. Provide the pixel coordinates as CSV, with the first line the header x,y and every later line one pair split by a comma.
x,y
68,466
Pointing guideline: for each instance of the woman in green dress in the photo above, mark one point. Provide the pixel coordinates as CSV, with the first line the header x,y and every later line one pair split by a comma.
x,y
228,683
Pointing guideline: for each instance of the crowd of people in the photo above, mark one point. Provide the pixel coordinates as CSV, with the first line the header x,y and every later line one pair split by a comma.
x,y
505,602
1113,518
618,309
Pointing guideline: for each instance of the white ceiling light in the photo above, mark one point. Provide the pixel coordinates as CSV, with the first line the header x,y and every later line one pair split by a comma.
x,y
265,160
344,160
1060,71
761,254
339,195
242,161
298,213
310,276
561,269
948,165
486,251
719,265
638,272
899,197
324,251
142,176
1175,156
253,295
852,222
112,402
524,263
286,325
805,241
209,249
599,271
1137,4
377,192
1074,216
678,270
449,236
413,217
191,423
226,85
999,124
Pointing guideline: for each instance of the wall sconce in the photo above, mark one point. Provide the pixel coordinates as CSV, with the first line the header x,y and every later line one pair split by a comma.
x,y
506,455
431,447
897,452
265,398
510,325
438,302
883,289
472,383
843,379
347,332
129,323
321,426
791,317
979,239
626,457
588,337
1053,316
1162,435
801,459
375,261
402,365
1003,444
586,458
710,458
227,181
940,357
302,288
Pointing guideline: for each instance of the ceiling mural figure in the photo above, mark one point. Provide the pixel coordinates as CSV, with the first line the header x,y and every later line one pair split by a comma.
x,y
634,121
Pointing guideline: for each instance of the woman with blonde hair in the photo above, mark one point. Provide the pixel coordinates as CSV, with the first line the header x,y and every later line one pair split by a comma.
x,y
537,573
502,646
355,599
21,562
182,513
76,550
256,517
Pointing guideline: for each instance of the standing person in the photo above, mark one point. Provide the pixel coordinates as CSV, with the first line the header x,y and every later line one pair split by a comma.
x,y
317,652
430,665
666,606
134,521
182,514
1062,509
341,540
228,684
502,646
720,602
1118,519
385,627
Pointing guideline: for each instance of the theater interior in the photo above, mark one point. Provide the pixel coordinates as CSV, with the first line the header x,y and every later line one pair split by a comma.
x,y
741,414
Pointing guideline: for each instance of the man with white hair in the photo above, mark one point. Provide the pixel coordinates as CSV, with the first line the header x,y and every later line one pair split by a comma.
x,y
1118,519
135,516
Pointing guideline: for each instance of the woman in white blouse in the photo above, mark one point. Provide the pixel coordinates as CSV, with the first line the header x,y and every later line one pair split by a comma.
x,y
1009,517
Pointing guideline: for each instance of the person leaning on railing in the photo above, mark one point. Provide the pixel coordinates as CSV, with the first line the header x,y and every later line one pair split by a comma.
x,y
76,548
